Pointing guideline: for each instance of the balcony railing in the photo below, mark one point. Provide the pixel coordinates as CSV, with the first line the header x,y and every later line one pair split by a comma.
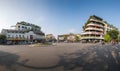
x,y
93,28
98,33
91,37
97,21
10,38
92,24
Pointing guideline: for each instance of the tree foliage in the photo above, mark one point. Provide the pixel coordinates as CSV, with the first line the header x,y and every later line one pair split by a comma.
x,y
76,38
2,38
107,38
118,38
113,34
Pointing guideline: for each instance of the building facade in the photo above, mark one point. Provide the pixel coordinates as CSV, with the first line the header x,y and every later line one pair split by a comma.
x,y
95,29
109,27
69,37
50,38
24,33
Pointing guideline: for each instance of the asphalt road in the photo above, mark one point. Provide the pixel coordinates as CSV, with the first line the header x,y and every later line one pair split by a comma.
x,y
60,57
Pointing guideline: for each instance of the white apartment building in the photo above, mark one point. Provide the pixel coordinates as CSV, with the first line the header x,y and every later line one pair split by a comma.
x,y
95,29
24,33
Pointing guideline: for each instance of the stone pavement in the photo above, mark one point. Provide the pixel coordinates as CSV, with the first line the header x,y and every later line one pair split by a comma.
x,y
60,57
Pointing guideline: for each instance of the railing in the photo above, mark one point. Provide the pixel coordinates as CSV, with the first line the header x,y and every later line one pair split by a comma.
x,y
92,24
92,28
97,21
9,38
99,33
91,37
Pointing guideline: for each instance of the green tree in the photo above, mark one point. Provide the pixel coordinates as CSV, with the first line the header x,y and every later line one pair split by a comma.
x,y
2,38
76,38
65,37
113,34
118,38
107,38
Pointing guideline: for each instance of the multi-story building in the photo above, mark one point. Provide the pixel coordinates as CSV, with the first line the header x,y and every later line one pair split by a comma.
x,y
109,27
95,29
24,32
69,37
50,38
62,38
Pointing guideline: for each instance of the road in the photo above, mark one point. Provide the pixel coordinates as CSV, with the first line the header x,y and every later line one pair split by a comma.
x,y
60,57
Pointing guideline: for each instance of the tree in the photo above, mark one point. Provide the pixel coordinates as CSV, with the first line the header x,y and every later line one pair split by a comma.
x,y
118,38
113,34
107,38
65,38
2,38
76,38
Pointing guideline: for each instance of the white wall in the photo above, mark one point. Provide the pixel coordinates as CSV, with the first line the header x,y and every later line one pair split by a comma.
x,y
21,27
14,35
26,35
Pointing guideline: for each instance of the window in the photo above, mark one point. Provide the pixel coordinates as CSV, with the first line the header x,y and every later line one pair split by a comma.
x,y
25,27
18,26
22,26
19,36
23,36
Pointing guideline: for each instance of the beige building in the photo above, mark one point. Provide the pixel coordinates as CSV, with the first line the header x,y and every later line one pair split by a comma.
x,y
50,37
69,37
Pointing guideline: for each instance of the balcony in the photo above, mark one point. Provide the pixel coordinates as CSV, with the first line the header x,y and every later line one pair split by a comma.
x,y
10,38
97,33
97,21
92,24
91,37
93,28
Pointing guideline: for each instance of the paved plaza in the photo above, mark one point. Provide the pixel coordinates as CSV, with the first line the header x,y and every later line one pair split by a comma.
x,y
60,57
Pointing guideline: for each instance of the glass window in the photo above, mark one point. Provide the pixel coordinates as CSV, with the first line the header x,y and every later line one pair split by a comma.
x,y
20,36
22,26
25,27
18,26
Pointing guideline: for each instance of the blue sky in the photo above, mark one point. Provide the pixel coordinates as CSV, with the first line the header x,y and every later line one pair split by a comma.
x,y
58,16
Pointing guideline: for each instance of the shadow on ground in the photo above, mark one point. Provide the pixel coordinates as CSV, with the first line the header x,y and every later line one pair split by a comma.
x,y
8,60
93,58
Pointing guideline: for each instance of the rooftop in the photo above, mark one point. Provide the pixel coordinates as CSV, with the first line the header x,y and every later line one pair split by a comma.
x,y
28,24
